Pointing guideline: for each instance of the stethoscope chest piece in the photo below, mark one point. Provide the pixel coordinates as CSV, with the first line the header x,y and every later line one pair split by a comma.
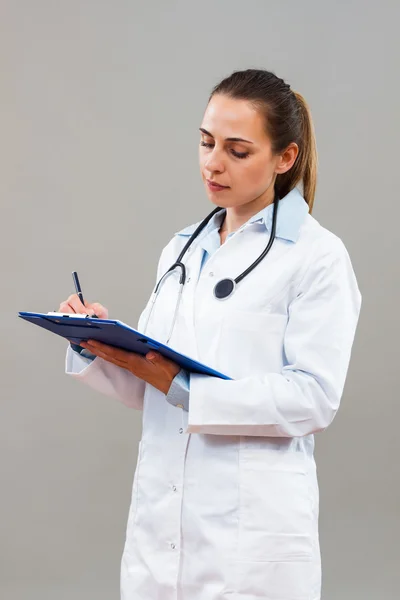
x,y
224,288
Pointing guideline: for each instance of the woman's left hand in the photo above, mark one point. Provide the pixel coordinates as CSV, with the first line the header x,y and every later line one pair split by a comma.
x,y
153,368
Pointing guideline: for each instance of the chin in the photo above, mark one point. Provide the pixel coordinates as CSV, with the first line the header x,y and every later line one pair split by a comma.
x,y
213,200
217,199
220,199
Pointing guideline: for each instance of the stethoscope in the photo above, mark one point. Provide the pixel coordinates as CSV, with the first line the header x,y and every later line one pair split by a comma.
x,y
224,288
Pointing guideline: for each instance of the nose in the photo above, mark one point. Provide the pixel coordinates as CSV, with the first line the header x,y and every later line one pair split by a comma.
x,y
214,163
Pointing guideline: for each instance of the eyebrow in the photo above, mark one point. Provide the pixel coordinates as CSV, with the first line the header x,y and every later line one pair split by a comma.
x,y
229,139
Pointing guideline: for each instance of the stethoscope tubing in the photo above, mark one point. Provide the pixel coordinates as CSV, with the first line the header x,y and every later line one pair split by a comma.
x,y
224,288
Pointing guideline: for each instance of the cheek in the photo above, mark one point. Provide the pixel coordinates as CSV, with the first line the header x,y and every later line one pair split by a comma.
x,y
252,177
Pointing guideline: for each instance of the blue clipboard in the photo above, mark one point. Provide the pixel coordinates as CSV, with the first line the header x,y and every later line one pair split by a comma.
x,y
114,333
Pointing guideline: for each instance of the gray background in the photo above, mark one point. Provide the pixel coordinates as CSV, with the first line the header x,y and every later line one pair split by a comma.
x,y
100,107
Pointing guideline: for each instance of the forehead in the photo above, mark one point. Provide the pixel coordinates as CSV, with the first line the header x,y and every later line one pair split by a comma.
x,y
227,117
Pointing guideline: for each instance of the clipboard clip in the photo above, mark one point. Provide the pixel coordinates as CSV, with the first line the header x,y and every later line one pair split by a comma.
x,y
71,315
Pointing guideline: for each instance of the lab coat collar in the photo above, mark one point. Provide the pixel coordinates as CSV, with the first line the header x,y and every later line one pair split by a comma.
x,y
292,210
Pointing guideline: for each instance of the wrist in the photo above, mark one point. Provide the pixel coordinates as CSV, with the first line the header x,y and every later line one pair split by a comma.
x,y
166,387
169,381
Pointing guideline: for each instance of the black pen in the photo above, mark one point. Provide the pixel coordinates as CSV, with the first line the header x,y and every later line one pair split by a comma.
x,y
79,290
78,286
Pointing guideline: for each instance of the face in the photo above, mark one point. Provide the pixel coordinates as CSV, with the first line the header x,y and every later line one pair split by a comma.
x,y
246,166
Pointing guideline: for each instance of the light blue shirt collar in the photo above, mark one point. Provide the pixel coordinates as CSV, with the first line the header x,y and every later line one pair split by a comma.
x,y
292,211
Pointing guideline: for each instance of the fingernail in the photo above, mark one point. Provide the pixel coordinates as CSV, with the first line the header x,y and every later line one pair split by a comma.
x,y
150,355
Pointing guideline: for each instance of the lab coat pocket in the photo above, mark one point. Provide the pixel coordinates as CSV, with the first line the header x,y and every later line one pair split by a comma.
x,y
276,511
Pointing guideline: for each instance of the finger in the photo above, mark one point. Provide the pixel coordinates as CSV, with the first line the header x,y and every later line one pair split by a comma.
x,y
68,308
107,356
158,359
99,310
162,364
128,360
74,342
111,351
89,309
76,304
65,308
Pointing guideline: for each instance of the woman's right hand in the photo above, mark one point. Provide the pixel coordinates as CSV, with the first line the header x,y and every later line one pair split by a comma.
x,y
74,305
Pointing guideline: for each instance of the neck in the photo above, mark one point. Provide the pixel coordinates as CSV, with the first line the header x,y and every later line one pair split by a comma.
x,y
236,216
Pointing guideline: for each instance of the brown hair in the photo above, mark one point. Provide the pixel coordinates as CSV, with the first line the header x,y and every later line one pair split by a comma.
x,y
287,119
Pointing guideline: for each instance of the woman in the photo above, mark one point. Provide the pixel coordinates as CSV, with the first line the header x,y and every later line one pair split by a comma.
x,y
225,494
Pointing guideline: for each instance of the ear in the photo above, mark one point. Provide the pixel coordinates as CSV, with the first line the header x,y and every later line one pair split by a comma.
x,y
287,158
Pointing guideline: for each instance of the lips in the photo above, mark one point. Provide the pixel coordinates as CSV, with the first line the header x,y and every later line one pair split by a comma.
x,y
215,184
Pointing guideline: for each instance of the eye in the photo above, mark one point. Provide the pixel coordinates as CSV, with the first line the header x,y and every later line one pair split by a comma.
x,y
233,152
239,154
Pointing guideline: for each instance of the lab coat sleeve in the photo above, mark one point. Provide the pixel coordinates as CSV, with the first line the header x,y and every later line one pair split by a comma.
x,y
304,397
107,378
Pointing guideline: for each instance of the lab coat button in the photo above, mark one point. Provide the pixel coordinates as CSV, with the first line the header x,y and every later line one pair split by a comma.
x,y
181,430
188,279
174,488
211,274
173,546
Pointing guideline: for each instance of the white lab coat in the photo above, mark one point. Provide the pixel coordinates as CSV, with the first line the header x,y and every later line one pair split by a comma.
x,y
225,496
